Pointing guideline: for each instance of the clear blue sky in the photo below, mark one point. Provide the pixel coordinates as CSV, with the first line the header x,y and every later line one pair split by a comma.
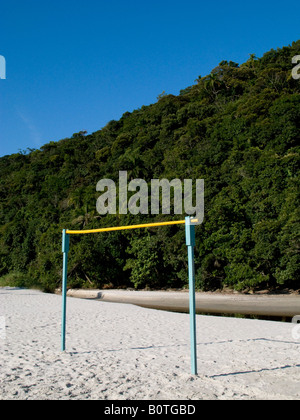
x,y
75,65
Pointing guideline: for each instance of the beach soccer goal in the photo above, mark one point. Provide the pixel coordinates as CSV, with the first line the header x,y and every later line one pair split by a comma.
x,y
189,223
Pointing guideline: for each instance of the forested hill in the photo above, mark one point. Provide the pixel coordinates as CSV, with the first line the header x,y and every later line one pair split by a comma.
x,y
237,128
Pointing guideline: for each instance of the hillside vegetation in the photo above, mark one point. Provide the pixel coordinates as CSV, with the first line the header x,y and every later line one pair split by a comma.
x,y
237,128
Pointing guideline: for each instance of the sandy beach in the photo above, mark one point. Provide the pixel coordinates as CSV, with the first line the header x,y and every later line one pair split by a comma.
x,y
121,351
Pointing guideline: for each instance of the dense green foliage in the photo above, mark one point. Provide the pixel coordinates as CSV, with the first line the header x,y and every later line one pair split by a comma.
x,y
237,128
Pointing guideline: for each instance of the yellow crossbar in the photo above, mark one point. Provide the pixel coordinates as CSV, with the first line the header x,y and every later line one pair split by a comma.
x,y
110,229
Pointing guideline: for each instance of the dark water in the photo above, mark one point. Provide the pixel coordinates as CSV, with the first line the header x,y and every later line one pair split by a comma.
x,y
231,315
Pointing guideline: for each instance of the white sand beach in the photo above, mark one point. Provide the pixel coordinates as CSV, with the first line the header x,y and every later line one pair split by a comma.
x,y
120,351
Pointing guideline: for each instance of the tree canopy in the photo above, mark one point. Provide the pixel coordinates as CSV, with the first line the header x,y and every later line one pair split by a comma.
x,y
237,128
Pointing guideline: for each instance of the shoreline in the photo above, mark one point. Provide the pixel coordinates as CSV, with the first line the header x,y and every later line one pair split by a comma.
x,y
273,305
124,352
